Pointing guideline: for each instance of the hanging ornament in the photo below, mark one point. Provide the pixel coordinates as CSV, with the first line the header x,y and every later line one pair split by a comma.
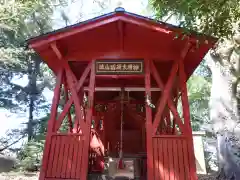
x,y
85,100
149,101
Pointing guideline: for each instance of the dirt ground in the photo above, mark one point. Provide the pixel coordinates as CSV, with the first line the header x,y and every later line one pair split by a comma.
x,y
207,177
34,176
19,176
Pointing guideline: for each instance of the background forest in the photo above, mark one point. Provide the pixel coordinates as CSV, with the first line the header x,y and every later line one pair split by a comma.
x,y
213,88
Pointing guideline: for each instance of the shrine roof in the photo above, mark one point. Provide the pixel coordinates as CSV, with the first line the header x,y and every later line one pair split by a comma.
x,y
121,35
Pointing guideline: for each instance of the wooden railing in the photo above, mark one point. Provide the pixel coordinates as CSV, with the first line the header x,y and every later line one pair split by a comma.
x,y
65,156
171,158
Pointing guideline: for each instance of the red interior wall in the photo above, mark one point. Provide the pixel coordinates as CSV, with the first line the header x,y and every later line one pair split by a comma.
x,y
133,135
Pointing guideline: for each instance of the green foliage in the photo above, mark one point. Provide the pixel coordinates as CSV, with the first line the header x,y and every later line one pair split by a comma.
x,y
23,19
199,90
30,155
22,16
199,95
40,128
210,17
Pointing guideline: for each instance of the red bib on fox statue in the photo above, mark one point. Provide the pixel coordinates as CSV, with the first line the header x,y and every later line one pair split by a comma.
x,y
121,164
97,147
95,142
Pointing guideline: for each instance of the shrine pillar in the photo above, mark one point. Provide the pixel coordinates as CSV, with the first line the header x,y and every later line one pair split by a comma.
x,y
170,152
66,153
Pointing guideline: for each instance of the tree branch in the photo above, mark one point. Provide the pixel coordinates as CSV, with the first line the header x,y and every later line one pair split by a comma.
x,y
169,17
9,145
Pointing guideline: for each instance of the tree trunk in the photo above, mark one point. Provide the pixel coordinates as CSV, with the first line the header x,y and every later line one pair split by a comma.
x,y
33,71
30,118
225,118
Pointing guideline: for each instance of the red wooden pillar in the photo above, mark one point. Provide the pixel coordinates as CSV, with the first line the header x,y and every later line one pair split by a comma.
x,y
109,128
149,130
143,137
88,122
51,123
74,88
186,112
169,150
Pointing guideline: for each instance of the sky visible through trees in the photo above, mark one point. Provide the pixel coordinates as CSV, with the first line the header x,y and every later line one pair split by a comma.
x,y
77,11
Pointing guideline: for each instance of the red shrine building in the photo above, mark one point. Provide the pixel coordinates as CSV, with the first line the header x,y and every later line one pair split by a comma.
x,y
121,77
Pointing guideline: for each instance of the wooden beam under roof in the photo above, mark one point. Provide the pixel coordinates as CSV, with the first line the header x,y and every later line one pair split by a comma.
x,y
128,89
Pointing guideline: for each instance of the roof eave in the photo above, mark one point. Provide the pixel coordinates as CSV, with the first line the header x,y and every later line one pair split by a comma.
x,y
105,19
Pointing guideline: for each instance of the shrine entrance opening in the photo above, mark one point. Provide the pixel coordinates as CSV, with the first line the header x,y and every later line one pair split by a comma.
x,y
119,115
120,78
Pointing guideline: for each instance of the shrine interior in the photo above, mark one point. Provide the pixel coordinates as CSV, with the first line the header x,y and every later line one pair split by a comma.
x,y
133,121
107,120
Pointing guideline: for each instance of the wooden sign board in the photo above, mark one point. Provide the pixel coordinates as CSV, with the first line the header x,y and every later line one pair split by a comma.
x,y
119,67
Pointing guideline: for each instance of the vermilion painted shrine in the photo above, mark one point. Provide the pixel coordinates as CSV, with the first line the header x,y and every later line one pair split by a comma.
x,y
121,77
